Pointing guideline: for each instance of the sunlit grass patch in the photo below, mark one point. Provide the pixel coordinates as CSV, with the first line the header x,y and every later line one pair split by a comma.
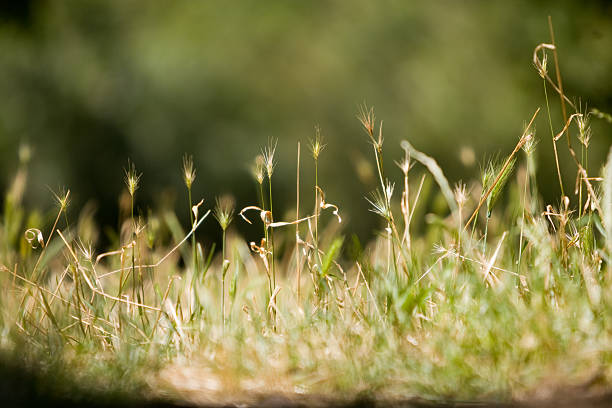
x,y
502,296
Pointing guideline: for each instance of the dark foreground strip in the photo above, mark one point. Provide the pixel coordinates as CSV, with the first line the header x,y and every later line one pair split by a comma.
x,y
21,387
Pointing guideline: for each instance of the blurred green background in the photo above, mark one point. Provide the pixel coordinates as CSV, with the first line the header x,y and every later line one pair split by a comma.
x,y
90,83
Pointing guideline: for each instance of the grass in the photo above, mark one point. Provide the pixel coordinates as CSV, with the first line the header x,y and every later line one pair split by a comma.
x,y
441,315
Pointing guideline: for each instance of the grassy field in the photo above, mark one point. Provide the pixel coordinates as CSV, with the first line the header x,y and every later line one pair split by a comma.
x,y
501,297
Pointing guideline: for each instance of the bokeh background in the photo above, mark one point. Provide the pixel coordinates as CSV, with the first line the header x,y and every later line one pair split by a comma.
x,y
88,84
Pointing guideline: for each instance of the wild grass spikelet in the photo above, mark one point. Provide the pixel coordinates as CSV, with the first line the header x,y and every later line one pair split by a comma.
x,y
268,157
530,144
132,178
368,121
189,172
584,130
379,203
224,211
316,144
258,169
499,185
62,198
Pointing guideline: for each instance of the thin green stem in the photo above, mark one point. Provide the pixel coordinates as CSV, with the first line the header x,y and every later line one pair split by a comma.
x,y
263,207
194,256
552,132
223,281
580,182
316,209
272,237
523,218
484,248
459,230
133,248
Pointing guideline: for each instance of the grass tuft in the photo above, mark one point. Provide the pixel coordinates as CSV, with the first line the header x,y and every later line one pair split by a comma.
x,y
411,312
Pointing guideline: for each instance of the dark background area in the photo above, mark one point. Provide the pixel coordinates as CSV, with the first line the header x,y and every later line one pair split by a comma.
x,y
89,84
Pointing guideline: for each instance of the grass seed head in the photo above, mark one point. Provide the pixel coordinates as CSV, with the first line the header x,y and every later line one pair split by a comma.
x,y
62,198
529,144
584,128
268,157
189,172
460,194
85,249
499,186
258,169
132,178
389,190
488,174
379,204
405,164
224,211
367,118
316,145
542,69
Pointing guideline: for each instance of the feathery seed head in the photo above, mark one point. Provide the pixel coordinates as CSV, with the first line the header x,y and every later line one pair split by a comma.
x,y
405,164
62,198
380,205
499,186
584,128
367,119
529,144
316,145
488,173
460,194
132,178
189,172
542,69
389,190
257,169
268,156
85,249
224,211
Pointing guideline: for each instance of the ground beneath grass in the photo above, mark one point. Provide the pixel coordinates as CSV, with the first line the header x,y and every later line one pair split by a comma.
x,y
27,388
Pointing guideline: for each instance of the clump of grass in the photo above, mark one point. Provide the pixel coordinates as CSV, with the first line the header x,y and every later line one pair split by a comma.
x,y
441,318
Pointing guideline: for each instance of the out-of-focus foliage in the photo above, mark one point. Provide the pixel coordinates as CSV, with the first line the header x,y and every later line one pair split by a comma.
x,y
90,83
